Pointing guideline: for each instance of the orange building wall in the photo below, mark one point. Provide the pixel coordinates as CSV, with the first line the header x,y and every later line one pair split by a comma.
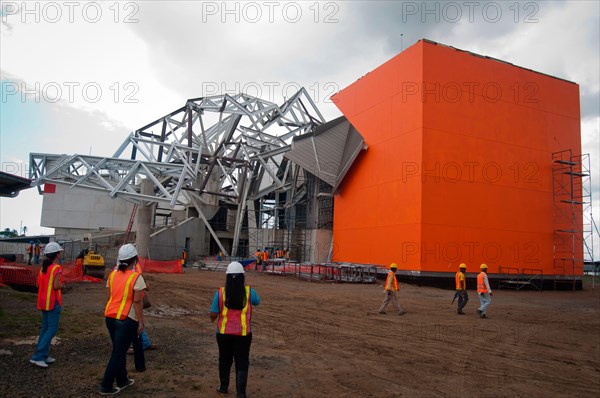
x,y
459,163
365,230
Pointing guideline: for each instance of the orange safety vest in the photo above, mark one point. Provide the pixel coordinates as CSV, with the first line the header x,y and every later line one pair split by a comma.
x,y
37,250
47,295
121,285
265,255
30,249
258,255
138,268
459,279
236,322
392,282
481,287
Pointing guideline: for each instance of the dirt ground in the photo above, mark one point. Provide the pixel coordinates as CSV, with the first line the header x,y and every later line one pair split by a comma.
x,y
319,340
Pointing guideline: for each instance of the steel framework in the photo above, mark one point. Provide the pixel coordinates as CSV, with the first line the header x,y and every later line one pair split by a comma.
x,y
219,150
572,215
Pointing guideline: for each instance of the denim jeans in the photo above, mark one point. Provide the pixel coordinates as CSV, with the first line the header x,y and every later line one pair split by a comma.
x,y
122,334
485,300
49,328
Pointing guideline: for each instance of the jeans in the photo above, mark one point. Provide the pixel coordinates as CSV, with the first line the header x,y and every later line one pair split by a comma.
x,y
485,300
49,328
232,347
122,334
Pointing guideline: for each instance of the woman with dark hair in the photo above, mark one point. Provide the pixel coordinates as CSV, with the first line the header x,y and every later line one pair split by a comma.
x,y
232,306
123,316
49,302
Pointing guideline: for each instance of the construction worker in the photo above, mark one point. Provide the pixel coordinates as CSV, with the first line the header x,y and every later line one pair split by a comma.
x,y
484,291
258,255
232,306
461,288
184,258
124,318
36,253
390,288
49,302
265,257
29,252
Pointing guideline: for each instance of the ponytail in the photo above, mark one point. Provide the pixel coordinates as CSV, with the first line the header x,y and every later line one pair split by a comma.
x,y
123,265
49,260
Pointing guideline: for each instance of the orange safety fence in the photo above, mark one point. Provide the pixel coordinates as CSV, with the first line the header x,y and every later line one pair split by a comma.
x,y
161,267
25,275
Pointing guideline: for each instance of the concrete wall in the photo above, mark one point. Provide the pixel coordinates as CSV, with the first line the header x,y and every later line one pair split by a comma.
x,y
319,242
168,244
83,209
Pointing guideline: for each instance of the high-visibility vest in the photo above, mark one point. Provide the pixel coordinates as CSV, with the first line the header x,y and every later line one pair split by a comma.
x,y
37,250
258,255
265,255
47,295
391,283
236,322
481,287
30,249
121,285
459,278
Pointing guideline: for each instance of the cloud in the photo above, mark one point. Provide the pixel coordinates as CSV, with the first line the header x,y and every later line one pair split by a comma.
x,y
163,55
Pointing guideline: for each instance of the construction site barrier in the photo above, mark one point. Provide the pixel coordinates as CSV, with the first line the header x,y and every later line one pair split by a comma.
x,y
160,267
26,276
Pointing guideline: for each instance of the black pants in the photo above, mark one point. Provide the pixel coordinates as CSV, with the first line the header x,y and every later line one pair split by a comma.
x,y
232,348
462,299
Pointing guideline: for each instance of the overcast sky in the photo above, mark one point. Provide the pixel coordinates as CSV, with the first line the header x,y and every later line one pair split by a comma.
x,y
77,77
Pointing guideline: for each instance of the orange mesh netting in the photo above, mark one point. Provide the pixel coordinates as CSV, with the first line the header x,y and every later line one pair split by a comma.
x,y
12,274
161,267
74,273
22,275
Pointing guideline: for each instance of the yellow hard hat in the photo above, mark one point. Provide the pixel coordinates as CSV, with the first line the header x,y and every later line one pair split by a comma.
x,y
462,265
483,266
393,265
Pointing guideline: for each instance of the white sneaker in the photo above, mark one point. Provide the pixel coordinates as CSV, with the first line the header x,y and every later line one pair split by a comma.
x,y
50,360
41,364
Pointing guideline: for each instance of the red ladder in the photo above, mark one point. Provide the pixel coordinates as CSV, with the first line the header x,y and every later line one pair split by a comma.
x,y
133,212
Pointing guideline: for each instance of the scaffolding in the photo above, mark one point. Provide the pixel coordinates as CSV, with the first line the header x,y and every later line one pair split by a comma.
x,y
572,216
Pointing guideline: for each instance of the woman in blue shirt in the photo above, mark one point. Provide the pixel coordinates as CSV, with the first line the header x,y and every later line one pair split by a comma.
x,y
232,308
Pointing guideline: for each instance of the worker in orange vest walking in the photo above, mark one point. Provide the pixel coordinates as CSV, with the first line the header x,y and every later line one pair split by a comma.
x,y
232,306
484,291
36,253
30,252
390,288
49,302
124,318
461,288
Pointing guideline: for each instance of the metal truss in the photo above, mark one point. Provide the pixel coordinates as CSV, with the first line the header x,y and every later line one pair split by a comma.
x,y
224,149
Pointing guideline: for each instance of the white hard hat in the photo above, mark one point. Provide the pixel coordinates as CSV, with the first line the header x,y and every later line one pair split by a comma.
x,y
126,252
52,247
235,268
